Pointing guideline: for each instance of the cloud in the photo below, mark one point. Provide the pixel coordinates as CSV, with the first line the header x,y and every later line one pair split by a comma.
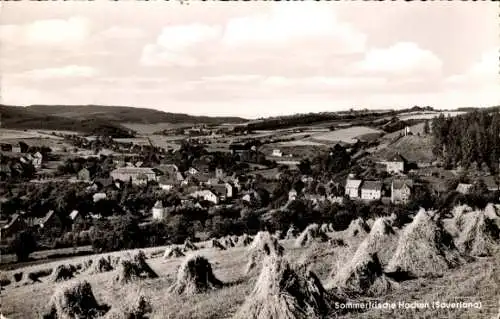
x,y
123,32
287,23
66,32
69,71
402,58
153,55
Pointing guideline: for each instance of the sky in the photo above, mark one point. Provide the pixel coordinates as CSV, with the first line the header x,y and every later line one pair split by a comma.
x,y
251,59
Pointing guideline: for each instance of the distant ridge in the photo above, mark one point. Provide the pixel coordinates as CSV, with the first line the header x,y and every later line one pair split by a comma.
x,y
126,114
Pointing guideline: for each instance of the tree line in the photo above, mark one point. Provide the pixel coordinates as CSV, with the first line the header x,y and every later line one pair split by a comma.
x,y
471,140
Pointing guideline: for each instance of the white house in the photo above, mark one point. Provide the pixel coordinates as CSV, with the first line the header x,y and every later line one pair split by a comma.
x,y
192,171
99,196
37,160
292,195
401,190
158,211
371,190
207,195
352,188
396,164
277,153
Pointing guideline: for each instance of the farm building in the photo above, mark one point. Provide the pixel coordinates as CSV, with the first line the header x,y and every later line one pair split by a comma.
x,y
220,173
158,211
84,175
277,153
138,175
371,190
396,164
352,188
463,188
207,195
292,195
401,190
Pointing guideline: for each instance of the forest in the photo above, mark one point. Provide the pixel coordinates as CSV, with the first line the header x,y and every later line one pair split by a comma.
x,y
471,140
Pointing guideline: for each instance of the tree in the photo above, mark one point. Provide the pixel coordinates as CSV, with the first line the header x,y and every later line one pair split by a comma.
x,y
427,128
23,245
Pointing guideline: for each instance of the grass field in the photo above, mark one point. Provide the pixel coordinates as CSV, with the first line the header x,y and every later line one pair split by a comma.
x,y
426,115
478,280
347,135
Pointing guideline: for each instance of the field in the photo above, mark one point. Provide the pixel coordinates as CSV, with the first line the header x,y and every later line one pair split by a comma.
x,y
477,280
154,127
426,115
347,135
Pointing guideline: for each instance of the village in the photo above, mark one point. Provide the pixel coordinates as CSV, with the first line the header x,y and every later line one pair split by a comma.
x,y
117,180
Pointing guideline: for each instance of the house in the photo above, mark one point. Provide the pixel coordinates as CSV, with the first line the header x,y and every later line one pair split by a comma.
x,y
252,197
352,188
223,190
84,175
77,220
396,164
220,173
15,225
98,196
168,168
401,190
292,195
104,181
207,195
50,223
16,149
192,171
463,188
37,160
168,181
277,153
158,211
138,175
371,190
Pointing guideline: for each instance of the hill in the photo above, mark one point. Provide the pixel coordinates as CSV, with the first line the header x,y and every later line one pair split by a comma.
x,y
124,114
21,118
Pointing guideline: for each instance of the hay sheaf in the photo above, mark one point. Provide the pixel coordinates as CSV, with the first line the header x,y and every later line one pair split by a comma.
x,y
101,265
324,228
284,292
358,227
424,249
244,240
217,245
312,233
135,306
278,234
363,275
188,246
74,300
479,236
135,268
264,244
173,252
227,242
195,276
63,272
292,232
381,240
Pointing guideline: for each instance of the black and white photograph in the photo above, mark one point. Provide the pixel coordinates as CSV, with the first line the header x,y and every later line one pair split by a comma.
x,y
192,159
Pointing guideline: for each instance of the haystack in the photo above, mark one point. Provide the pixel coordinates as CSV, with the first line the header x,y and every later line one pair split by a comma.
x,y
101,265
330,227
74,300
278,234
363,275
292,232
173,252
195,276
262,245
227,242
424,249
312,233
217,245
133,306
135,268
63,272
459,210
282,292
358,227
86,264
188,246
479,235
324,228
244,240
381,240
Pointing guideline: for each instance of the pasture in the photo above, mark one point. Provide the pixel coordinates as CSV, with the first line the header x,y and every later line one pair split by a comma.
x,y
326,253
347,135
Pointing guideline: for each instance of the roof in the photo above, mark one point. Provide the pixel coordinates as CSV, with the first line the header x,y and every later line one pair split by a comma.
x,y
74,214
398,184
353,183
14,218
158,204
134,170
372,185
46,217
396,158
462,187
220,189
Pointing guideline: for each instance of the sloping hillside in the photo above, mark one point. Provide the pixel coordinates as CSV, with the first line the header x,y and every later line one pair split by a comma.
x,y
123,114
20,118
413,147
